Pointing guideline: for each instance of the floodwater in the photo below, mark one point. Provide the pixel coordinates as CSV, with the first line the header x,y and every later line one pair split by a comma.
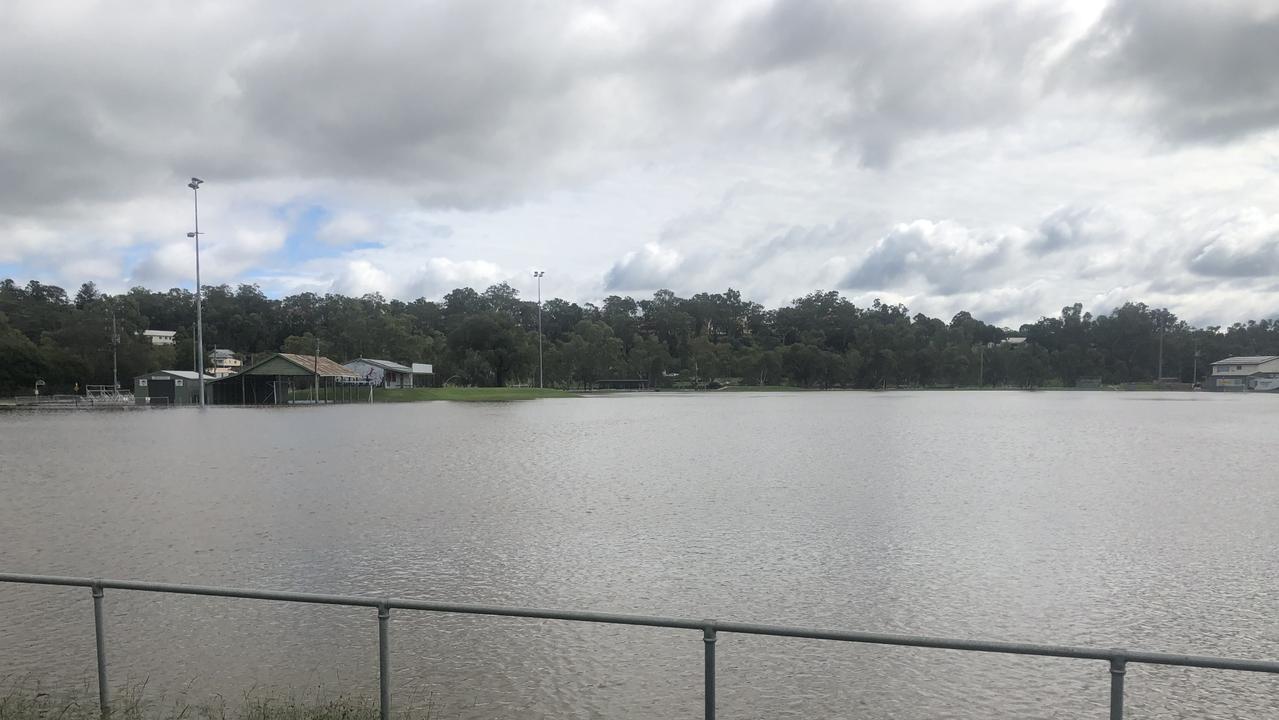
x,y
1138,520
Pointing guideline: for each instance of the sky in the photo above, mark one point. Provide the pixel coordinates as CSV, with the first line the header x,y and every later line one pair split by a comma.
x,y
1005,158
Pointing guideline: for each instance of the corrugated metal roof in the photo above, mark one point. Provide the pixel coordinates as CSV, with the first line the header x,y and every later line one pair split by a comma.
x,y
384,364
188,374
1247,360
324,366
184,374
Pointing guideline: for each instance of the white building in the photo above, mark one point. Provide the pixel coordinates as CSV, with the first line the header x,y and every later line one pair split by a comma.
x,y
383,373
223,363
160,337
1244,372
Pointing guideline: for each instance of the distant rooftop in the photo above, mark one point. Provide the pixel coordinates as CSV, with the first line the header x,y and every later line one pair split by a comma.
x,y
160,333
384,364
1247,360
188,374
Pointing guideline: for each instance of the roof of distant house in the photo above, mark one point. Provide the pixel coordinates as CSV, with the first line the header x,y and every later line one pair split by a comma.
x,y
159,333
1247,360
221,352
384,364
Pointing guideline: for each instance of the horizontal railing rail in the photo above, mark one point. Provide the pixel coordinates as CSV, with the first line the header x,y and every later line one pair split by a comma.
x,y
1118,659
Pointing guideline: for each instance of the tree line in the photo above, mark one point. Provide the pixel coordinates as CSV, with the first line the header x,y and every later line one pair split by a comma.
x,y
490,338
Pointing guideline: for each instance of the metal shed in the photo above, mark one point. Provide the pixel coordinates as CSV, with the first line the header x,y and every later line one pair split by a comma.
x,y
383,373
169,387
285,378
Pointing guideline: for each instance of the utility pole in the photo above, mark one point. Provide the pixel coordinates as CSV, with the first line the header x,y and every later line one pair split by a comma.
x,y
538,274
199,317
1194,374
315,394
981,363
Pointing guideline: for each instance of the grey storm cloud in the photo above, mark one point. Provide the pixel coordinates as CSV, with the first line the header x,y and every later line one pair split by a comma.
x,y
1239,250
1207,71
771,145
1076,227
949,257
650,268
482,104
891,72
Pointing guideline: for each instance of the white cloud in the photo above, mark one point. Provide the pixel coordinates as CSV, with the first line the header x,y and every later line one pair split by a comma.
x,y
346,228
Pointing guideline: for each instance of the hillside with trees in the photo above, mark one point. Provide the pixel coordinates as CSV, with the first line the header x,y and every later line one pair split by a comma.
x,y
488,338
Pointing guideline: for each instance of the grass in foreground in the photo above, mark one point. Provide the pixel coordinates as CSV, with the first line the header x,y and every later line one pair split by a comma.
x,y
765,388
27,701
461,394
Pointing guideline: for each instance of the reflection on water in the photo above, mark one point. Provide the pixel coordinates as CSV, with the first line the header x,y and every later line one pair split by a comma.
x,y
1108,519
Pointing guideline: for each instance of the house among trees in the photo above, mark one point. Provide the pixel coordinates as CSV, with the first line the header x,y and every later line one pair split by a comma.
x,y
494,338
223,363
160,337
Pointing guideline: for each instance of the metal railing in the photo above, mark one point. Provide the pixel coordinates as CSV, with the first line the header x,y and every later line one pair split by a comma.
x,y
1117,659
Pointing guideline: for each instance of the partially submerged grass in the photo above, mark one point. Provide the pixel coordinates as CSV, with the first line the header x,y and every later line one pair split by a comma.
x,y
461,394
23,700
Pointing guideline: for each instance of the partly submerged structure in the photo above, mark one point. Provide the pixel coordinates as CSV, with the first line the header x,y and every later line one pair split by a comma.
x,y
382,373
169,387
1245,372
285,378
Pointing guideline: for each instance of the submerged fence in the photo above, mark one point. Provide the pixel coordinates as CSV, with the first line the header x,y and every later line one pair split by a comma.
x,y
1116,659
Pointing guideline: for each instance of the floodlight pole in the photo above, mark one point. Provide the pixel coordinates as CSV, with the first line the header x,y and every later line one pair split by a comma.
x,y
115,348
1159,369
199,311
540,377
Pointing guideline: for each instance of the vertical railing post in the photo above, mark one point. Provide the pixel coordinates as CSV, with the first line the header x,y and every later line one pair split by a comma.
x,y
708,639
384,660
1118,666
100,640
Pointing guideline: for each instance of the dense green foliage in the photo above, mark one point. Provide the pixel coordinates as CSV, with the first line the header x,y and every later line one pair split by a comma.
x,y
490,339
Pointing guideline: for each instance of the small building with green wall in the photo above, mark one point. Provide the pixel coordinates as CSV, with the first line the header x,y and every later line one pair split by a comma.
x,y
169,387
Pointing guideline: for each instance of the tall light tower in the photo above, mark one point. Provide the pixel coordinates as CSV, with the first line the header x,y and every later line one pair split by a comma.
x,y
1159,372
115,350
199,311
539,274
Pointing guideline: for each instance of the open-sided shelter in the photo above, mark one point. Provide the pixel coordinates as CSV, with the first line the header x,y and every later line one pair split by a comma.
x,y
285,378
